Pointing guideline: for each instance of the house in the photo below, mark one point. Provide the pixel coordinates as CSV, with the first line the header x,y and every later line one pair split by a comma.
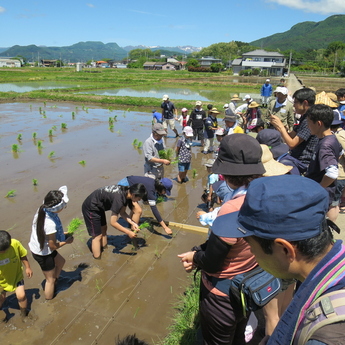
x,y
172,66
48,63
207,61
9,62
102,64
273,62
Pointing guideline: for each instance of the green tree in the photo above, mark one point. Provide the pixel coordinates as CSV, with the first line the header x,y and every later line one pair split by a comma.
x,y
193,63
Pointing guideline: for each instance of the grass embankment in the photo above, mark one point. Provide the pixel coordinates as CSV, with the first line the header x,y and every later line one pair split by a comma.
x,y
214,86
186,321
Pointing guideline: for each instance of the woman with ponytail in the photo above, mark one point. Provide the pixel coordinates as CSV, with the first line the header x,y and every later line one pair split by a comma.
x,y
116,199
47,236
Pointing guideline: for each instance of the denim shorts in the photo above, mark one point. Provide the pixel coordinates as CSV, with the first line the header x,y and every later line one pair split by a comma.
x,y
183,166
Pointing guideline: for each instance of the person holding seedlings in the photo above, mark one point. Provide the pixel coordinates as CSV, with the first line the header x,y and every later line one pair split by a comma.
x,y
154,189
114,198
154,165
12,257
184,154
47,236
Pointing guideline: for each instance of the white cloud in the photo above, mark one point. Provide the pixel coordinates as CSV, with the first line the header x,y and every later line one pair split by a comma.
x,y
2,10
316,6
90,5
149,13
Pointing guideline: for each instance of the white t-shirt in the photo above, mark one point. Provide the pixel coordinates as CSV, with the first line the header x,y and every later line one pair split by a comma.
x,y
49,228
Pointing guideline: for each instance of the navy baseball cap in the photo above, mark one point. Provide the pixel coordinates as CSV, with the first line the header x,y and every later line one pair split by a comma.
x,y
167,183
290,207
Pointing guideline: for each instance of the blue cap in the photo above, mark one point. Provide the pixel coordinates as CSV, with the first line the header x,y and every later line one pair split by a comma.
x,y
167,183
290,207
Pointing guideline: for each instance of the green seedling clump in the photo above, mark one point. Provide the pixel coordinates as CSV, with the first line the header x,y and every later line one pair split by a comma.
x,y
34,135
194,173
51,154
10,193
140,144
82,163
39,144
144,225
50,132
64,125
15,148
73,227
160,199
111,120
166,154
135,142
34,181
19,137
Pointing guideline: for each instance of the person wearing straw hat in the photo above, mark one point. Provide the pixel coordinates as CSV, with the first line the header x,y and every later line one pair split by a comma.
x,y
233,102
211,125
253,112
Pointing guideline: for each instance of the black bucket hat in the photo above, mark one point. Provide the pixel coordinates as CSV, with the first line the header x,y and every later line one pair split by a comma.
x,y
239,155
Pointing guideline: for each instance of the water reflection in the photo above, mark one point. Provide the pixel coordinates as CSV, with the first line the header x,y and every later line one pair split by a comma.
x,y
32,86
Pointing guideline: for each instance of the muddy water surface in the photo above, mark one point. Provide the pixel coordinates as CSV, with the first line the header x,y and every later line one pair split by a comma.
x,y
125,292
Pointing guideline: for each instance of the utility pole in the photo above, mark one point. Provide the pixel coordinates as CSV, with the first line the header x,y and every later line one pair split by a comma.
x,y
289,63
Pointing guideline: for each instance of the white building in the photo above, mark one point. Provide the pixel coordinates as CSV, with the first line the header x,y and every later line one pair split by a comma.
x,y
8,62
274,62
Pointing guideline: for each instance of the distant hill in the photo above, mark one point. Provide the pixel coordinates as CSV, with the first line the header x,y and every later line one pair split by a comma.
x,y
82,51
178,49
307,35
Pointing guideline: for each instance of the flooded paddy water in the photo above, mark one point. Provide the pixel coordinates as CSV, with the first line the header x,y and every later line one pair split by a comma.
x,y
126,292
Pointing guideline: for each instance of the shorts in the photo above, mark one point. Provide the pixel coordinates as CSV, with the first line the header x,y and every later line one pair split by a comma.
x,y
46,262
170,122
183,166
340,184
94,220
198,133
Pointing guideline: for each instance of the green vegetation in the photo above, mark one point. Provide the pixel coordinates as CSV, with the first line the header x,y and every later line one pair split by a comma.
x,y
10,193
63,125
73,227
19,137
144,225
186,321
166,154
34,181
83,163
135,142
15,148
34,135
50,132
194,173
39,144
51,154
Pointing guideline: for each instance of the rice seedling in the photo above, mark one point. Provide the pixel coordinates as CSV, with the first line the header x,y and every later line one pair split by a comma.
x,y
54,128
30,106
157,253
73,115
76,108
194,173
45,103
63,125
135,142
119,131
61,115
39,144
160,199
115,118
10,193
140,144
99,285
51,154
144,225
166,154
111,120
73,227
34,135
110,109
34,181
44,114
40,110
19,137
15,148
136,312
50,132
83,163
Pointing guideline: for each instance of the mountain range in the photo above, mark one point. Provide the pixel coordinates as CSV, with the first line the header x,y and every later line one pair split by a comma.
x,y
302,36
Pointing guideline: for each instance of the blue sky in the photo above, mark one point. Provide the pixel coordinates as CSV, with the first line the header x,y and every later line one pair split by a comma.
x,y
150,23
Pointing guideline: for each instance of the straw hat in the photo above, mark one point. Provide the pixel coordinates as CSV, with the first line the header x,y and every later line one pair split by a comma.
x,y
235,98
253,105
332,96
323,98
272,167
214,111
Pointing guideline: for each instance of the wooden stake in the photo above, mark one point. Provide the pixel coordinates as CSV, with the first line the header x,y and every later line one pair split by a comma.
x,y
189,227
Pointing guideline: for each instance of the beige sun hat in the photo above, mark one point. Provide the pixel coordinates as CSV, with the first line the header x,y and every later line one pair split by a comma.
x,y
332,96
214,111
272,167
323,98
235,98
253,105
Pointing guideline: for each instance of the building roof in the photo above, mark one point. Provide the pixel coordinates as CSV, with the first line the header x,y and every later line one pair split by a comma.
x,y
261,52
236,62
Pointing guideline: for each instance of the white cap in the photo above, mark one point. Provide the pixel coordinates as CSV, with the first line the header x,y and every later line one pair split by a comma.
x,y
282,90
226,105
188,131
268,79
165,97
246,97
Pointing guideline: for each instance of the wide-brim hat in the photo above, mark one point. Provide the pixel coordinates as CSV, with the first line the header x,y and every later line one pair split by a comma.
x,y
272,138
272,167
214,111
253,105
231,118
290,207
239,155
235,97
323,98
